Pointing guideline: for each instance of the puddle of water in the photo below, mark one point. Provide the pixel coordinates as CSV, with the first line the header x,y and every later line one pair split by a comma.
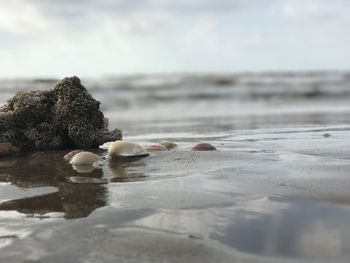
x,y
284,227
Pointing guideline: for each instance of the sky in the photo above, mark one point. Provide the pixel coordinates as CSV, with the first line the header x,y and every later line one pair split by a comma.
x,y
95,38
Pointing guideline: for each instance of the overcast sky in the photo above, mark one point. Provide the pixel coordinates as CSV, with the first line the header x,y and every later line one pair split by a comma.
x,y
104,37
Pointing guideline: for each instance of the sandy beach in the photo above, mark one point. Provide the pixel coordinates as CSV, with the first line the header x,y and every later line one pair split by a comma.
x,y
277,189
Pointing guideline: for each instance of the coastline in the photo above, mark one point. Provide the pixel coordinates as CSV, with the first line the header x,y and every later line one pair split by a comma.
x,y
275,191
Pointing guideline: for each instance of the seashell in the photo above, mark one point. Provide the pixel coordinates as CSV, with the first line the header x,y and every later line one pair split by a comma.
x,y
168,145
155,148
70,155
84,168
204,147
84,158
126,149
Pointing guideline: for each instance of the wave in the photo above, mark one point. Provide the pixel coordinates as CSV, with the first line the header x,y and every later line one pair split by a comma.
x,y
173,87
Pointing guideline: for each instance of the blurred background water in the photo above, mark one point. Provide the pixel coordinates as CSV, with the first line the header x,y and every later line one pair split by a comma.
x,y
168,103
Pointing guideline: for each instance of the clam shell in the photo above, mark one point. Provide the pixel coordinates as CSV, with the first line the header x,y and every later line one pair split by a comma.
x,y
126,149
70,155
168,145
84,158
203,147
155,148
83,168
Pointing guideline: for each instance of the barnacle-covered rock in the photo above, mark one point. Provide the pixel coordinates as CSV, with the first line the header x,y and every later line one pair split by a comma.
x,y
81,133
104,135
44,137
6,148
31,108
65,117
7,126
7,120
74,103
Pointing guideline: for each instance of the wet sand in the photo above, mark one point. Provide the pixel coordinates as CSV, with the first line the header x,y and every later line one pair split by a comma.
x,y
250,201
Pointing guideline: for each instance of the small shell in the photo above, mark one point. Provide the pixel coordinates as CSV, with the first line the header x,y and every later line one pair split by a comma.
x,y
168,145
83,168
84,158
203,147
155,148
126,149
70,155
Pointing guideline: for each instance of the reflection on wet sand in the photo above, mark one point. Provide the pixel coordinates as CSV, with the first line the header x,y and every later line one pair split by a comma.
x,y
291,228
73,200
123,169
79,191
48,169
267,226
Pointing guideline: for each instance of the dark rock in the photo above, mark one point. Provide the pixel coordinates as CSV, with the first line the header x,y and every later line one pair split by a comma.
x,y
104,135
31,108
65,117
7,126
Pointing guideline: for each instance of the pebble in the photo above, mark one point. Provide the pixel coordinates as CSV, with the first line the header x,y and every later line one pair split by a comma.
x,y
204,147
155,148
168,145
84,158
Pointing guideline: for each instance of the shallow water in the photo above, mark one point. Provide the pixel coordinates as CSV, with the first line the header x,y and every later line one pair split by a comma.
x,y
275,191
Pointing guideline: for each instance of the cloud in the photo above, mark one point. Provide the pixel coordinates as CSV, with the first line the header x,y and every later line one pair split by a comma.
x,y
124,7
316,9
78,11
149,16
17,15
106,36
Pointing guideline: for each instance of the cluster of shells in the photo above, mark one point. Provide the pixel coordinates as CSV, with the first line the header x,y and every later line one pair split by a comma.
x,y
84,161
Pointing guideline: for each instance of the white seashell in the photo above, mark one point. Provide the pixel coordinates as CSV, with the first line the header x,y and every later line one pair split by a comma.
x,y
168,145
155,148
70,155
83,168
126,149
84,158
